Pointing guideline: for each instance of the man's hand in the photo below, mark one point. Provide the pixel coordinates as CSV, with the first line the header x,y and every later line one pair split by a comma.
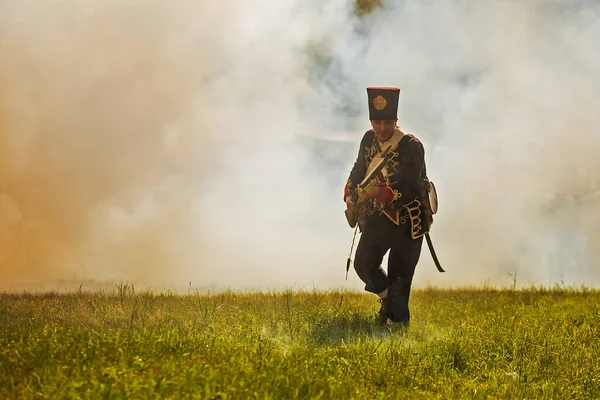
x,y
350,205
369,192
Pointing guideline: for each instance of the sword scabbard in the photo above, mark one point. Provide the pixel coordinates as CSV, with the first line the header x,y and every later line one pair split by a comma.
x,y
433,255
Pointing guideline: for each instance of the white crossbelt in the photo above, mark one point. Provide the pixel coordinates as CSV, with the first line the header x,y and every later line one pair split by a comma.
x,y
391,142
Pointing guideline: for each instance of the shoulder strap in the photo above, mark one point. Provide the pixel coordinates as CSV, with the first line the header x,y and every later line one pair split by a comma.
x,y
393,142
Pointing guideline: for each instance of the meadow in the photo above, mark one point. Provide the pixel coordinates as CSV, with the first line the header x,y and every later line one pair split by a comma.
x,y
469,343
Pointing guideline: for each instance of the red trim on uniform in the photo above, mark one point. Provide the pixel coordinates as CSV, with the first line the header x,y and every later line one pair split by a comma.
x,y
393,215
386,195
384,88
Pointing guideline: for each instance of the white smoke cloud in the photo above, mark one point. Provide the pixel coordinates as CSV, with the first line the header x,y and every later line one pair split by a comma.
x,y
167,143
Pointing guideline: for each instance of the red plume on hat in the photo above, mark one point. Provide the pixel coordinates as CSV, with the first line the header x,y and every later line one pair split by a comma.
x,y
383,102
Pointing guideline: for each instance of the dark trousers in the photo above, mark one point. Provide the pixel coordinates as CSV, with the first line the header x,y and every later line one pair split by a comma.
x,y
379,235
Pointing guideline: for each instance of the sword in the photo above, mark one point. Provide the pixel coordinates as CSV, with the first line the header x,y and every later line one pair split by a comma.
x,y
433,255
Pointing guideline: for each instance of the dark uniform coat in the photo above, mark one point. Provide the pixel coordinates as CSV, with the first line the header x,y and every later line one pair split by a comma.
x,y
396,221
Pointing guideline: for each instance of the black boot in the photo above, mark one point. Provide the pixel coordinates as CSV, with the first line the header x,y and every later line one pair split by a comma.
x,y
398,296
397,311
382,316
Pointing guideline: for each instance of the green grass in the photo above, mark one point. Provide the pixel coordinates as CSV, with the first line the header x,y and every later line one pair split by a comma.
x,y
479,343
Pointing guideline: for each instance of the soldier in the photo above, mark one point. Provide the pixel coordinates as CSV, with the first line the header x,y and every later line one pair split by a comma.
x,y
394,209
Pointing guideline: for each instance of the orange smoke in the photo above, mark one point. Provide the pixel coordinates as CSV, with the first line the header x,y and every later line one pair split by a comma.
x,y
95,118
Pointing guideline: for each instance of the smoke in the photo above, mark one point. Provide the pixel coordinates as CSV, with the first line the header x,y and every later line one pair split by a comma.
x,y
172,143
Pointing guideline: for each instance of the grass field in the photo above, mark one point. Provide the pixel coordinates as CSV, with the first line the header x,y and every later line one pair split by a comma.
x,y
480,343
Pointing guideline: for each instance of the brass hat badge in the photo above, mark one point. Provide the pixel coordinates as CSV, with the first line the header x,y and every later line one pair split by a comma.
x,y
379,103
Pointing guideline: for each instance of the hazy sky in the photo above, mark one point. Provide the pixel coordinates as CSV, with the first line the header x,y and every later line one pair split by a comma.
x,y
164,142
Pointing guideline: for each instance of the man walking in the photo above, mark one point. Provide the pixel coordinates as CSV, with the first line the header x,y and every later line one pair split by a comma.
x,y
394,210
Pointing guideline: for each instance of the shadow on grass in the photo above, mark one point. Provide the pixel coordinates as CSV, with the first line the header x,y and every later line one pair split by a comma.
x,y
347,328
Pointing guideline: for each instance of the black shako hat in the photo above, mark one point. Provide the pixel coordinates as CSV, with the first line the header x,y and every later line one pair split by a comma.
x,y
383,102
